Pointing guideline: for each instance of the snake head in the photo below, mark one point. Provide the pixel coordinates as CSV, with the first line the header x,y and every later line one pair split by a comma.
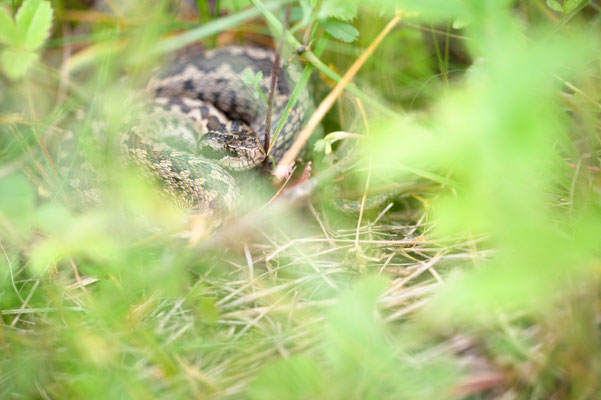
x,y
237,150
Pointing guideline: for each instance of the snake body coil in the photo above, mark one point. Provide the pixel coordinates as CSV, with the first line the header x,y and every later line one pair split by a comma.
x,y
206,120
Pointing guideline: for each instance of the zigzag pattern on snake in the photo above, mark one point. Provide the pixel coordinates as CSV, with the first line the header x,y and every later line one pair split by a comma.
x,y
205,121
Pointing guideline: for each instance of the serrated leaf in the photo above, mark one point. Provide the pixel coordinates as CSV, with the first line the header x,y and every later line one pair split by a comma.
x,y
554,5
341,9
34,20
571,5
340,30
248,78
8,31
16,62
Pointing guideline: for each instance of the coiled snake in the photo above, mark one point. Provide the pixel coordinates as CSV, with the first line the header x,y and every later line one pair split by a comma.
x,y
205,121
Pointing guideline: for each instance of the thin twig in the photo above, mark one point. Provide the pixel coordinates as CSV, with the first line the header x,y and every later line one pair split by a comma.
x,y
25,303
12,276
274,78
307,35
367,180
250,263
321,224
20,311
34,128
424,267
314,60
327,103
77,277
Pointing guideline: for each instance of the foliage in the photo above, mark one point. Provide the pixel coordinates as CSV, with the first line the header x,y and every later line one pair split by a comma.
x,y
23,36
470,139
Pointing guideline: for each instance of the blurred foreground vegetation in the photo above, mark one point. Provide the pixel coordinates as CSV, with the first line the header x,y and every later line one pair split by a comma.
x,y
477,278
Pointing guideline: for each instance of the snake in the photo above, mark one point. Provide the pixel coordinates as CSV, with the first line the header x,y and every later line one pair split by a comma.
x,y
205,121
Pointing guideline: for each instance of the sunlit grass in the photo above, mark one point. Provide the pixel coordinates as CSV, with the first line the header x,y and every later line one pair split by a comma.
x,y
475,278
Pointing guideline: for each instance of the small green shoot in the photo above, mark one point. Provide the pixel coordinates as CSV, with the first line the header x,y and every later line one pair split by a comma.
x,y
255,81
23,36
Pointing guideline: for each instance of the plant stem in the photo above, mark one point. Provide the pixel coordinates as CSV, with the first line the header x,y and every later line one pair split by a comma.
x,y
317,63
441,65
274,78
307,36
213,27
35,130
204,14
327,103
298,88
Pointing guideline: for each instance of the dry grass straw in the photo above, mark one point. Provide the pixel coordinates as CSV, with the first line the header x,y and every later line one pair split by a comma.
x,y
290,156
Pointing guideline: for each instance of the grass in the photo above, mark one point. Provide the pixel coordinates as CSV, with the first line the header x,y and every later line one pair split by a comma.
x,y
477,278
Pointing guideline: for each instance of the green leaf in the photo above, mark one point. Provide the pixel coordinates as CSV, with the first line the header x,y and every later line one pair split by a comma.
x,y
34,20
8,31
341,9
17,200
554,5
325,144
250,79
16,62
298,377
460,23
571,5
340,30
254,80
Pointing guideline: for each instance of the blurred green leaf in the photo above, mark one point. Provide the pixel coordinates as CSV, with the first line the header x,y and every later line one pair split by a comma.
x,y
459,23
33,20
84,237
366,363
8,31
340,30
16,62
325,145
554,5
16,200
29,31
507,222
341,9
497,134
567,7
450,9
571,5
255,81
53,218
296,378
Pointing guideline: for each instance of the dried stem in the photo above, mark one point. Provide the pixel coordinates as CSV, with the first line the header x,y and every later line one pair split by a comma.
x,y
274,78
328,102
367,180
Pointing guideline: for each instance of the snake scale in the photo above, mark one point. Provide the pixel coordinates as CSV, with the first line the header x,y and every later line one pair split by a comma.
x,y
205,121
